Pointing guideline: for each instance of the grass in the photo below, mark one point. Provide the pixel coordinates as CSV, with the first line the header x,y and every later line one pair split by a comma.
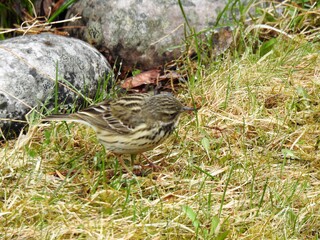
x,y
22,18
247,166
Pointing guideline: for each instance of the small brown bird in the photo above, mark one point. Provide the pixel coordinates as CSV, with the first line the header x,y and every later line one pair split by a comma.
x,y
131,124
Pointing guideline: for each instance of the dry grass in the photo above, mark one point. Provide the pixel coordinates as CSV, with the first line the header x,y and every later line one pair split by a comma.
x,y
246,167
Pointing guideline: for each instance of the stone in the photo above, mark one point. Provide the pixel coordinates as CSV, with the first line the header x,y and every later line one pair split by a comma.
x,y
143,34
30,66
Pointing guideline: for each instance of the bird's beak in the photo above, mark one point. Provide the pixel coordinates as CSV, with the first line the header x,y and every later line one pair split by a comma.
x,y
189,109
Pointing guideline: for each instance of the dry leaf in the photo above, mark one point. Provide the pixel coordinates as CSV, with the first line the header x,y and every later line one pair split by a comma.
x,y
142,78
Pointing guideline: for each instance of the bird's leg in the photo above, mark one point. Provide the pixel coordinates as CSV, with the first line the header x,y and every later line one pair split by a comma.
x,y
152,164
120,160
123,164
133,158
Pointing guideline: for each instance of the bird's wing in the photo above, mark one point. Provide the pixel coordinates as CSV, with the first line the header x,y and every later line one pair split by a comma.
x,y
100,116
128,109
121,115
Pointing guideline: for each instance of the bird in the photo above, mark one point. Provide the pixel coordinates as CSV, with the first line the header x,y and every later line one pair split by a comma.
x,y
131,124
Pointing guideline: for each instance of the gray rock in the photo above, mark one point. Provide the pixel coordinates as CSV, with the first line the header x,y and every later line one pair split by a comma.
x,y
28,69
142,33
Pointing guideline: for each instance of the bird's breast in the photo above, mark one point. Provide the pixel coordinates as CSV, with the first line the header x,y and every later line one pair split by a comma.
x,y
141,139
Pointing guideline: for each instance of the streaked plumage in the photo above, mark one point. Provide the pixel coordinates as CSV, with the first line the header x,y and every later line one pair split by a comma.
x,y
131,124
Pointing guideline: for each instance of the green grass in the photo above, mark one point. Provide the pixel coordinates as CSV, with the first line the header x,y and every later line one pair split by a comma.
x,y
247,166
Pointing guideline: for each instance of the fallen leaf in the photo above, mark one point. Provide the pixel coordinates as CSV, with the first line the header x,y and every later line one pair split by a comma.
x,y
148,77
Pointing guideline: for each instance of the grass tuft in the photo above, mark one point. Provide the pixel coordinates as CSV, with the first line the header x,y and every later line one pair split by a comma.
x,y
247,166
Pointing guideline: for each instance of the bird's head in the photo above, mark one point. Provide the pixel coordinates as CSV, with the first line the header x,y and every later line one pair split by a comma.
x,y
164,108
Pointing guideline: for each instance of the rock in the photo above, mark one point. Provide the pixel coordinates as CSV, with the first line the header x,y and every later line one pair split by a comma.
x,y
28,69
142,33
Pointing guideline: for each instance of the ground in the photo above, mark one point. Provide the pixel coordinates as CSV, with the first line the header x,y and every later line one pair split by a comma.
x,y
245,166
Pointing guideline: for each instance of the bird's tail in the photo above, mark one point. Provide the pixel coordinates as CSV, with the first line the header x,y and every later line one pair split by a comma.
x,y
58,117
66,117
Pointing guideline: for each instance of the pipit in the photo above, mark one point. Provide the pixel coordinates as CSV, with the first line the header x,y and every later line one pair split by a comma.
x,y
131,124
